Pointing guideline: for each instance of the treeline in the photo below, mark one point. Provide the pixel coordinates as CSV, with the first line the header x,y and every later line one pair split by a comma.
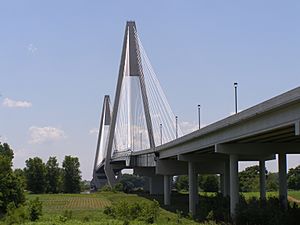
x,y
248,181
39,177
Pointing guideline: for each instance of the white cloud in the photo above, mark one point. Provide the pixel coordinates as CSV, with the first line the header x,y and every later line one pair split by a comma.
x,y
188,127
16,104
94,131
45,134
3,139
31,48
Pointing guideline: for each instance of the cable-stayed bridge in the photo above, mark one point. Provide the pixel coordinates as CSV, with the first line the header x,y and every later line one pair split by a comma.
x,y
141,132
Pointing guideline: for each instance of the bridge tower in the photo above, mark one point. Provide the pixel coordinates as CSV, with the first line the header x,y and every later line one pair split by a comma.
x,y
99,176
132,70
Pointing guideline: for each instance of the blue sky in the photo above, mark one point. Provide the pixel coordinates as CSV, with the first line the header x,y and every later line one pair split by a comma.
x,y
59,58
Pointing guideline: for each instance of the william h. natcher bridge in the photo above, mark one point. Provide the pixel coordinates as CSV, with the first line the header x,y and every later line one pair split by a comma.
x,y
140,132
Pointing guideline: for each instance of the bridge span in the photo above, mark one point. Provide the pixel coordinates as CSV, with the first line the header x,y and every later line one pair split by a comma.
x,y
139,133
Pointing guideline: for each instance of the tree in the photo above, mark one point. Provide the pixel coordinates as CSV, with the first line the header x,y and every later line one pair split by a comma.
x,y
294,178
272,183
53,176
71,175
249,179
130,182
35,173
21,175
209,183
182,183
11,189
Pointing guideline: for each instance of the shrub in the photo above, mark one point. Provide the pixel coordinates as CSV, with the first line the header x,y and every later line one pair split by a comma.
x,y
35,209
142,211
266,212
15,215
106,188
214,208
118,187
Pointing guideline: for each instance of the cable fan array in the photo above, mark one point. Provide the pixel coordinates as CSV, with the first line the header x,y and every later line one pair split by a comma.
x,y
131,132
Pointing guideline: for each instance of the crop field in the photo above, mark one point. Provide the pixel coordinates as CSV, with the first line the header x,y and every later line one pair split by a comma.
x,y
88,209
60,202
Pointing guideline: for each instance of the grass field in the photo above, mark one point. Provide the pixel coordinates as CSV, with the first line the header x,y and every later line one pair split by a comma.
x,y
88,209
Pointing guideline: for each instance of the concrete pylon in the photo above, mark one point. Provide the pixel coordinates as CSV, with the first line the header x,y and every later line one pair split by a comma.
x,y
282,179
130,49
99,176
234,184
262,179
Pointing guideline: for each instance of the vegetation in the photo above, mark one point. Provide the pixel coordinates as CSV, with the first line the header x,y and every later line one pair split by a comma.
x,y
71,175
53,176
266,212
11,188
35,172
294,178
104,208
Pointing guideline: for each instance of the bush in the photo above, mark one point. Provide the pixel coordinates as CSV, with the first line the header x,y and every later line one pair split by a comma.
x,y
35,209
142,211
106,188
15,215
266,212
214,208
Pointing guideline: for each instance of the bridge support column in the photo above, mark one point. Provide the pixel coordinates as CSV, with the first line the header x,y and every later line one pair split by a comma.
x,y
167,190
262,179
156,185
146,186
226,179
234,184
282,179
193,188
222,184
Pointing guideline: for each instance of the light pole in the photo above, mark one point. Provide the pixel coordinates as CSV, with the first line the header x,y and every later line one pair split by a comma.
x,y
199,116
236,97
176,119
160,127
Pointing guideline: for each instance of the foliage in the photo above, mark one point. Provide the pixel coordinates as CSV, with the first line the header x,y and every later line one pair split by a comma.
x,y
272,183
266,212
15,215
249,179
294,178
71,175
131,182
35,208
214,208
35,172
53,176
106,188
182,183
28,212
11,188
85,185
126,211
209,183
20,174
6,151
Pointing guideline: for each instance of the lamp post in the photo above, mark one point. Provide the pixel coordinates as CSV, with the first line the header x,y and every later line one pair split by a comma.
x,y
176,120
236,97
199,116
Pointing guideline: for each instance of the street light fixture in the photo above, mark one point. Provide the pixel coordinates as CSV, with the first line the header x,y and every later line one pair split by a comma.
x,y
199,116
176,119
236,97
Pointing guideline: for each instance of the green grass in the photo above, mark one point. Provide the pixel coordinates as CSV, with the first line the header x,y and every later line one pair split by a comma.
x,y
295,194
88,209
